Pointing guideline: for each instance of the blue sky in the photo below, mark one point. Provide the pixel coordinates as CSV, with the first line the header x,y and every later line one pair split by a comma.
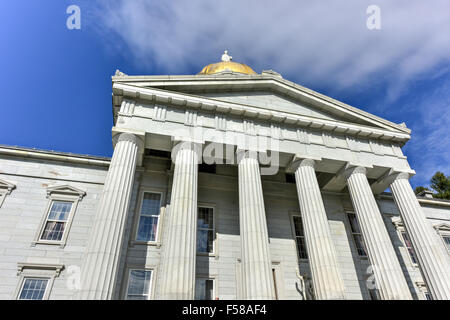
x,y
57,85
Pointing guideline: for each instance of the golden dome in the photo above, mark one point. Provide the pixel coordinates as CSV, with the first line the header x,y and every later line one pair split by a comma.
x,y
227,65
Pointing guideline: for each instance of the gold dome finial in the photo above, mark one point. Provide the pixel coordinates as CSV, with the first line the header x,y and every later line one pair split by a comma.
x,y
227,66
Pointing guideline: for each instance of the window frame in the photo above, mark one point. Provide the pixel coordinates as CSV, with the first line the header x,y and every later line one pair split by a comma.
x,y
29,270
25,278
151,285
294,236
366,256
159,227
207,277
6,188
443,230
400,228
59,193
214,252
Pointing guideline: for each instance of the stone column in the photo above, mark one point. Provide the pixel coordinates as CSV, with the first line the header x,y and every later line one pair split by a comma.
x,y
102,257
433,260
255,259
178,276
389,278
327,280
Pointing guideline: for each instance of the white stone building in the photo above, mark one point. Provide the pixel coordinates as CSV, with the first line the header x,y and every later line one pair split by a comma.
x,y
274,192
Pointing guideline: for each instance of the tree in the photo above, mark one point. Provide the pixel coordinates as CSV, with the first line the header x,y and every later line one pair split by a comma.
x,y
440,183
419,189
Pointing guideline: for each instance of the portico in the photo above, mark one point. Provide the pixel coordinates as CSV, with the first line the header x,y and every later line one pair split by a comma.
x,y
269,124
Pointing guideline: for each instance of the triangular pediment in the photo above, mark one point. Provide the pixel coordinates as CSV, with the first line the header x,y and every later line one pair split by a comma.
x,y
7,186
264,97
277,102
66,190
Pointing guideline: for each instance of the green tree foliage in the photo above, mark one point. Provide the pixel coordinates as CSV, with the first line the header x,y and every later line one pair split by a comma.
x,y
440,183
419,189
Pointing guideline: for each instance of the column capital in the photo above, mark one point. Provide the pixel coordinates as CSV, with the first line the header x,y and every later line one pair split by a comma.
x,y
136,137
351,168
184,143
242,154
299,160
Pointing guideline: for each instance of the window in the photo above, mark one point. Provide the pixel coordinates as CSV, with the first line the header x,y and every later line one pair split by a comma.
x,y
35,279
149,217
356,233
299,237
33,289
56,221
427,295
443,230
5,188
374,295
447,242
204,289
139,282
409,247
205,230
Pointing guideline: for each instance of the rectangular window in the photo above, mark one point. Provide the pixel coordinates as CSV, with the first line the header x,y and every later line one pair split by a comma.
x,y
300,237
357,235
204,289
447,242
427,295
408,246
139,284
205,230
33,289
56,221
374,295
149,217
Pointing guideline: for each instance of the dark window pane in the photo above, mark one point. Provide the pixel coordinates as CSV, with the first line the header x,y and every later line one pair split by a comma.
x,y
147,229
60,210
151,204
353,223
408,245
205,218
205,239
204,289
298,226
301,247
360,245
53,231
33,289
139,284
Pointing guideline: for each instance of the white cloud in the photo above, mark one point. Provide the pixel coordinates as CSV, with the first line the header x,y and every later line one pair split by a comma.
x,y
429,148
322,42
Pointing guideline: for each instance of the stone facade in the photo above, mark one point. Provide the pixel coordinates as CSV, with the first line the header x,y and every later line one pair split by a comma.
x,y
332,161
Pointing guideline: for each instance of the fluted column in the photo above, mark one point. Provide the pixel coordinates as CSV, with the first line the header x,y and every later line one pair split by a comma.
x,y
178,278
256,264
433,260
327,280
99,271
389,277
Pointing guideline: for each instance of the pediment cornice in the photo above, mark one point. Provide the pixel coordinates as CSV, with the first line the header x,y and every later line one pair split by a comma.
x,y
7,186
66,189
153,95
259,82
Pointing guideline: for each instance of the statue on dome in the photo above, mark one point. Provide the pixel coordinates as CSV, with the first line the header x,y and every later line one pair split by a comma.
x,y
226,57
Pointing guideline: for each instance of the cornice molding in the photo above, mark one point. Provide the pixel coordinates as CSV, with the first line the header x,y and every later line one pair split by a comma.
x,y
66,189
263,82
196,102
